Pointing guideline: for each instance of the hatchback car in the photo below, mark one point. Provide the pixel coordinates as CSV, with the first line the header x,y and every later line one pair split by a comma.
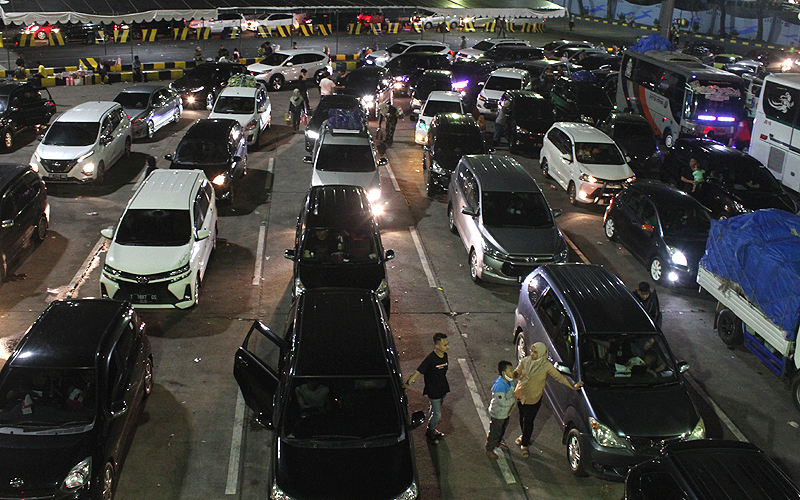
x,y
284,66
344,417
382,57
160,249
500,81
200,86
504,221
372,85
72,393
149,108
438,101
596,332
83,143
218,147
23,106
430,80
635,137
24,214
322,113
450,136
584,161
249,105
530,117
580,101
483,46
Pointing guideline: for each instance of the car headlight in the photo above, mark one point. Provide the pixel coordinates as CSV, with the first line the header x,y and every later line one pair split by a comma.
x,y
34,163
699,431
383,289
409,494
588,178
368,98
678,258
312,134
88,169
436,168
79,476
111,273
587,119
220,180
493,252
523,131
251,125
179,274
604,436
299,288
374,195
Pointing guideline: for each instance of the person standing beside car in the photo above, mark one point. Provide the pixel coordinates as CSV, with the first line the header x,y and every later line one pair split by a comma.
x,y
326,85
302,85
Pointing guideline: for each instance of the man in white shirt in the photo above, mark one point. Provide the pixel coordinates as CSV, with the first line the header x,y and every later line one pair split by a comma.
x,y
326,86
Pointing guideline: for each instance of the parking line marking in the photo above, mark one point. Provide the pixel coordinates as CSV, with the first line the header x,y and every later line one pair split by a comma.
x,y
425,266
236,445
262,236
393,178
484,418
576,250
721,414
92,260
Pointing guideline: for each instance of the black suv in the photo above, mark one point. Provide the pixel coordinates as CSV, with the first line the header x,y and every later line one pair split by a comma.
x,y
23,106
430,80
371,84
579,101
24,213
338,243
344,417
71,394
201,85
635,137
450,136
530,117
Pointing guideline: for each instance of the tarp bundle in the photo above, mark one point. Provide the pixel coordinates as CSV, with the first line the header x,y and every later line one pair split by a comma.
x,y
760,252
652,42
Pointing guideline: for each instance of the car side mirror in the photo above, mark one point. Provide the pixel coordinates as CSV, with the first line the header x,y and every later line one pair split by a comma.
x,y
288,254
7,223
118,408
563,369
107,232
480,84
40,137
417,419
262,109
683,366
203,234
168,157
383,161
557,212
389,255
647,228
307,159
490,151
627,159
472,212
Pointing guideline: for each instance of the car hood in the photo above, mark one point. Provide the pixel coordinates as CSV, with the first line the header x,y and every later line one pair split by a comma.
x,y
261,68
62,152
188,82
344,473
366,180
492,94
525,241
210,169
756,200
363,275
608,172
471,53
146,260
242,118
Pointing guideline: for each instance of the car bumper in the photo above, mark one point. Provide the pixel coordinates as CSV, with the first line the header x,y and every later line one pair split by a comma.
x,y
528,142
598,193
157,295
510,273
139,131
74,174
488,107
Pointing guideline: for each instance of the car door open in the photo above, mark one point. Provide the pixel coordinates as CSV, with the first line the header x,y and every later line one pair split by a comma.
x,y
258,374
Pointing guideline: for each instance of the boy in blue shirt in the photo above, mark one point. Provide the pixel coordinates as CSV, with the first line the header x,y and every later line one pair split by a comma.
x,y
503,401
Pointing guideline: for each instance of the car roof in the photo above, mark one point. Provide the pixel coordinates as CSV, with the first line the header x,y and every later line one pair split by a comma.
x,y
624,117
292,52
437,72
337,206
88,111
444,95
500,173
526,94
509,72
207,128
69,334
583,132
9,172
240,91
167,189
662,194
455,120
7,87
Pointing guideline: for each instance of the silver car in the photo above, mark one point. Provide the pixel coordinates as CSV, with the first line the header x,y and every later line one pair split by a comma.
x,y
150,107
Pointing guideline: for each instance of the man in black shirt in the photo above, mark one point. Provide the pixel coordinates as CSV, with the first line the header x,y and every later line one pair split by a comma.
x,y
649,300
434,369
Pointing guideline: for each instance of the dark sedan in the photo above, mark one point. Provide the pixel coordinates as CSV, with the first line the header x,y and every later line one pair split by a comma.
x,y
150,107
200,86
321,113
405,67
543,73
23,106
580,101
430,80
371,84
531,116
735,182
638,143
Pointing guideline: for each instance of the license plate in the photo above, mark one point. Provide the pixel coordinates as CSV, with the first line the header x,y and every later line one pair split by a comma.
x,y
58,176
143,297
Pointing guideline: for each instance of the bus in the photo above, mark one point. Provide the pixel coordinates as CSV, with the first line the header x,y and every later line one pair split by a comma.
x,y
775,140
680,96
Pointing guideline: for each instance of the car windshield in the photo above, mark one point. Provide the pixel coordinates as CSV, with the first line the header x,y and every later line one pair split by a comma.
x,y
504,209
345,158
685,221
342,409
332,244
133,100
154,228
429,83
71,134
483,45
433,108
202,71
503,83
39,397
625,359
234,105
274,59
201,151
461,144
749,176
598,153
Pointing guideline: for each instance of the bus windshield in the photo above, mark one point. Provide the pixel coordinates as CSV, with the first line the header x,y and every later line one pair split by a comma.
x,y
717,99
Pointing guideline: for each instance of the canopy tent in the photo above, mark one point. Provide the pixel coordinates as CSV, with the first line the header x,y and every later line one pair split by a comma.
x,y
131,17
539,11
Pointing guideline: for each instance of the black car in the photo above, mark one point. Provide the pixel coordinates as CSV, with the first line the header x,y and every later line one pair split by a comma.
x,y
330,392
72,392
23,106
450,136
218,147
404,66
734,183
150,107
200,86
663,227
595,61
430,80
551,48
502,54
371,84
635,137
543,73
530,117
24,212
321,113
338,243
580,101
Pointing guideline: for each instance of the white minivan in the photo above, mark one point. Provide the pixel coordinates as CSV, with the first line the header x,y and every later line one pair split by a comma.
x,y
499,82
161,246
250,106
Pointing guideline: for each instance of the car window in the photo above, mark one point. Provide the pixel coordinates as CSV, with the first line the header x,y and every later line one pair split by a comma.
x,y
120,366
345,158
201,204
555,320
598,153
503,83
470,189
625,359
515,209
201,151
8,208
275,59
154,227
483,45
647,214
631,200
107,126
133,100
685,221
536,287
233,105
23,193
116,118
432,108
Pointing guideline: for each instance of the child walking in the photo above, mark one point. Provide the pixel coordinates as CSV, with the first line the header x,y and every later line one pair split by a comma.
x,y
503,401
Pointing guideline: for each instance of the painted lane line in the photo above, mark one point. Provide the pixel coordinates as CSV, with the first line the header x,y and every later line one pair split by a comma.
x,y
92,260
262,236
271,166
236,446
424,260
721,414
576,250
484,418
393,178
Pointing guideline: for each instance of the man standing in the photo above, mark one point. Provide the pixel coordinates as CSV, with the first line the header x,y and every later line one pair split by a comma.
x,y
434,369
649,301
463,43
326,85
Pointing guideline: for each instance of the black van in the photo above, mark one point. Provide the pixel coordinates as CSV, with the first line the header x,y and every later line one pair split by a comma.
x,y
23,106
338,243
340,422
24,213
450,136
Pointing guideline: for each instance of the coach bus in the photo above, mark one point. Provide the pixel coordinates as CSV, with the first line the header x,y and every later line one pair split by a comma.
x,y
680,96
775,140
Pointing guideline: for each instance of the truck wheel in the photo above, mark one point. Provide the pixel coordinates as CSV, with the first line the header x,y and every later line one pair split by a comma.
x,y
669,141
796,390
729,328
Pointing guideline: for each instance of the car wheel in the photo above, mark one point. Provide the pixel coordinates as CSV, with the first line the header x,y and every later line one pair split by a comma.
x,y
176,116
545,167
276,82
796,390
453,25
197,289
151,129
8,138
729,328
657,270
101,174
148,381
127,153
611,229
210,100
573,196
41,35
473,266
107,492
574,458
520,346
41,228
428,25
319,75
668,140
451,222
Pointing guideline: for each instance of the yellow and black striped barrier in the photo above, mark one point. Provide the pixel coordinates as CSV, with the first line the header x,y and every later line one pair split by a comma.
x,y
263,33
233,34
121,36
26,40
490,26
90,63
354,29
149,35
306,29
510,26
532,28
284,31
375,28
417,27
53,39
393,27
324,29
468,27
203,33
1,39
180,33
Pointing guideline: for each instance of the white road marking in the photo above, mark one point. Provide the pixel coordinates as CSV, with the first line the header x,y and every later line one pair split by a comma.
x,y
483,415
576,250
721,414
392,177
262,236
92,260
425,266
236,446
271,166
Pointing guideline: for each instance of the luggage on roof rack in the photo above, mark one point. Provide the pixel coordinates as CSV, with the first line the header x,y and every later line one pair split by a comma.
x,y
347,119
243,80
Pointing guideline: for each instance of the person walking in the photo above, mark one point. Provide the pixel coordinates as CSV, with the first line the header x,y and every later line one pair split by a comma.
x,y
649,300
503,27
463,44
295,109
434,370
532,372
302,86
138,76
500,123
392,115
503,401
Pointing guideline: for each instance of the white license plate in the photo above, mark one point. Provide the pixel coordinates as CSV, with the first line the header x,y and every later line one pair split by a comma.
x,y
58,176
144,297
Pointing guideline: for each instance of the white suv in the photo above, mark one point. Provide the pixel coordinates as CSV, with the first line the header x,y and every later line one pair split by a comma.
x,y
285,65
479,48
381,57
499,82
439,101
250,106
160,249
83,143
584,161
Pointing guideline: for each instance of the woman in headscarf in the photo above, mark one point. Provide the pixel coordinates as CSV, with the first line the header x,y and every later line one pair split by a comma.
x,y
532,372
295,107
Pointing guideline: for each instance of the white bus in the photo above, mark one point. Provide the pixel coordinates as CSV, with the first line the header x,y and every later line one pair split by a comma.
x,y
680,96
775,140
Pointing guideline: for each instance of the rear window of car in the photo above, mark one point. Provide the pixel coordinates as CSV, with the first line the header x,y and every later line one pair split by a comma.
x,y
503,83
202,151
345,158
433,108
234,105
484,45
133,100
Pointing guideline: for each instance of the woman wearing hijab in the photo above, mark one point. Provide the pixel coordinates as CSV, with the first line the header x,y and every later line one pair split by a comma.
x,y
295,107
532,372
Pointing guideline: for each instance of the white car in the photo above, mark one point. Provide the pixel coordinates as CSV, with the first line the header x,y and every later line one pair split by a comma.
x,y
381,57
160,249
83,143
218,25
479,48
432,21
498,83
250,106
439,101
284,66
584,161
274,20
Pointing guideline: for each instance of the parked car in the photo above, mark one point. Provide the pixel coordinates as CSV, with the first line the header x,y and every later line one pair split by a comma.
x,y
218,147
430,80
662,227
338,243
480,48
439,101
735,182
273,20
584,161
774,60
284,66
530,117
580,101
746,67
73,391
450,136
356,436
543,74
382,57
372,85
199,86
596,332
250,106
635,137
223,21
24,214
322,112
503,54
160,249
83,143
504,221
596,61
407,68
500,81
551,48
150,107
23,106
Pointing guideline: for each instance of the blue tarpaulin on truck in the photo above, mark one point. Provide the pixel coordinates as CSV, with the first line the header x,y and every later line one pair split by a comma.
x,y
760,252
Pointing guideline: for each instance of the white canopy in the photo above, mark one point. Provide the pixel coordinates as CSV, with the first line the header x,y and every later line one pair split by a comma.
x,y
507,12
78,17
